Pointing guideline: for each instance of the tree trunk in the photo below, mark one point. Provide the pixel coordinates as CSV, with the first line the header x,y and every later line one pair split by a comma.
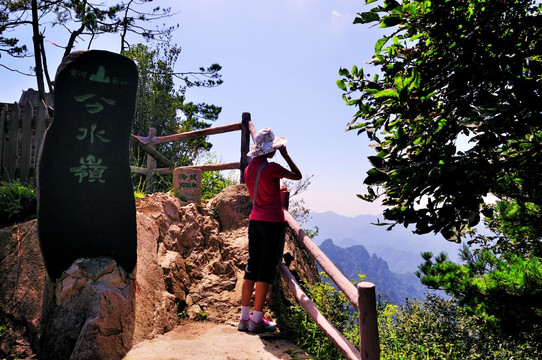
x,y
36,40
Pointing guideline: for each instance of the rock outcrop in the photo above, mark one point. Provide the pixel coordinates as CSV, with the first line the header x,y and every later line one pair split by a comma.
x,y
93,316
191,261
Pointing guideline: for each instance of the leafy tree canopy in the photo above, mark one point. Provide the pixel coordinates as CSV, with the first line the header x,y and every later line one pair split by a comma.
x,y
161,102
453,111
83,21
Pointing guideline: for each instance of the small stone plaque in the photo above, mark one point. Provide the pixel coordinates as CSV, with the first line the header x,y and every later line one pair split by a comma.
x,y
86,204
187,184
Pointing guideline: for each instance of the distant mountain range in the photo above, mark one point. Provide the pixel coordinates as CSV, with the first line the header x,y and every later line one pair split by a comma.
x,y
400,248
389,286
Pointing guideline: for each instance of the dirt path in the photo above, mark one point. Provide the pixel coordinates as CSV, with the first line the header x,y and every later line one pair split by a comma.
x,y
207,340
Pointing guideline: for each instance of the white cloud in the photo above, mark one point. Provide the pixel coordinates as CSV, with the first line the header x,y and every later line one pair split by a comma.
x,y
340,20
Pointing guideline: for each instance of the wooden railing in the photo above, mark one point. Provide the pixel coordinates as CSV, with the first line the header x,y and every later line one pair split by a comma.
x,y
148,144
22,127
362,297
21,133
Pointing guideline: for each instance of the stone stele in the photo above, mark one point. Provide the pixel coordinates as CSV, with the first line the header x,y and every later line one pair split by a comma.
x,y
86,204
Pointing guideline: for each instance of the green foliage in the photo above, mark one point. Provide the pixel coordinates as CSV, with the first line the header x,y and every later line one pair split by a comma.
x,y
9,45
213,182
518,226
434,328
162,105
182,314
439,329
503,290
500,279
17,202
202,315
297,325
450,72
79,22
454,115
138,194
312,233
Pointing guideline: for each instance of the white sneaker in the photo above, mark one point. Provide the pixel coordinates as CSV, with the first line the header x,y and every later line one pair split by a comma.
x,y
243,325
263,326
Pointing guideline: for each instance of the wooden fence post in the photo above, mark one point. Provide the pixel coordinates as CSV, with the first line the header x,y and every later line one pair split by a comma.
x,y
369,344
245,145
26,143
285,198
10,155
41,126
3,121
151,162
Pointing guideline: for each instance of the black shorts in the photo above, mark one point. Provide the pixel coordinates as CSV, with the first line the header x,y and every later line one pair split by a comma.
x,y
265,247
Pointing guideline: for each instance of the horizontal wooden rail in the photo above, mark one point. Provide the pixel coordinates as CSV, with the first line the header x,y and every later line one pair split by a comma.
x,y
148,144
331,331
150,150
191,134
342,282
215,167
146,170
207,167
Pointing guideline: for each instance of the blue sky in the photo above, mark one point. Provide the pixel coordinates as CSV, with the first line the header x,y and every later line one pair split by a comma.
x,y
280,62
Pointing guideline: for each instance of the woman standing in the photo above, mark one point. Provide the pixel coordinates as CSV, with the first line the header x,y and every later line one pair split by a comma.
x,y
266,229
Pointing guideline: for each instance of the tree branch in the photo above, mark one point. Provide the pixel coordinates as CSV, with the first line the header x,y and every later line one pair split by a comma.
x,y
76,33
14,70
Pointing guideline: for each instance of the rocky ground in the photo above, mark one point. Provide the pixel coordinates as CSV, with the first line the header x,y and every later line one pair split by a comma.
x,y
190,263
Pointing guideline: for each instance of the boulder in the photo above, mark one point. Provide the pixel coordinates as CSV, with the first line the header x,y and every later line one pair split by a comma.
x,y
232,206
93,316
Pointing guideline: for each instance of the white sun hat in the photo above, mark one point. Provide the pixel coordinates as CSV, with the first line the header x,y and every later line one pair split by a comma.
x,y
265,143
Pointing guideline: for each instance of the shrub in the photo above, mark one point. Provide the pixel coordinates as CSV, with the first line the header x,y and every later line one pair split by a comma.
x,y
3,330
213,182
17,202
296,325
434,328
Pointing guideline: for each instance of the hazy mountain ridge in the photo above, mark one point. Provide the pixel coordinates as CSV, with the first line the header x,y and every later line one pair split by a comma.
x,y
354,260
400,248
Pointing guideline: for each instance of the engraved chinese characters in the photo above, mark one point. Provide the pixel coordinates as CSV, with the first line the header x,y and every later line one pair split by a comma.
x,y
86,203
187,184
